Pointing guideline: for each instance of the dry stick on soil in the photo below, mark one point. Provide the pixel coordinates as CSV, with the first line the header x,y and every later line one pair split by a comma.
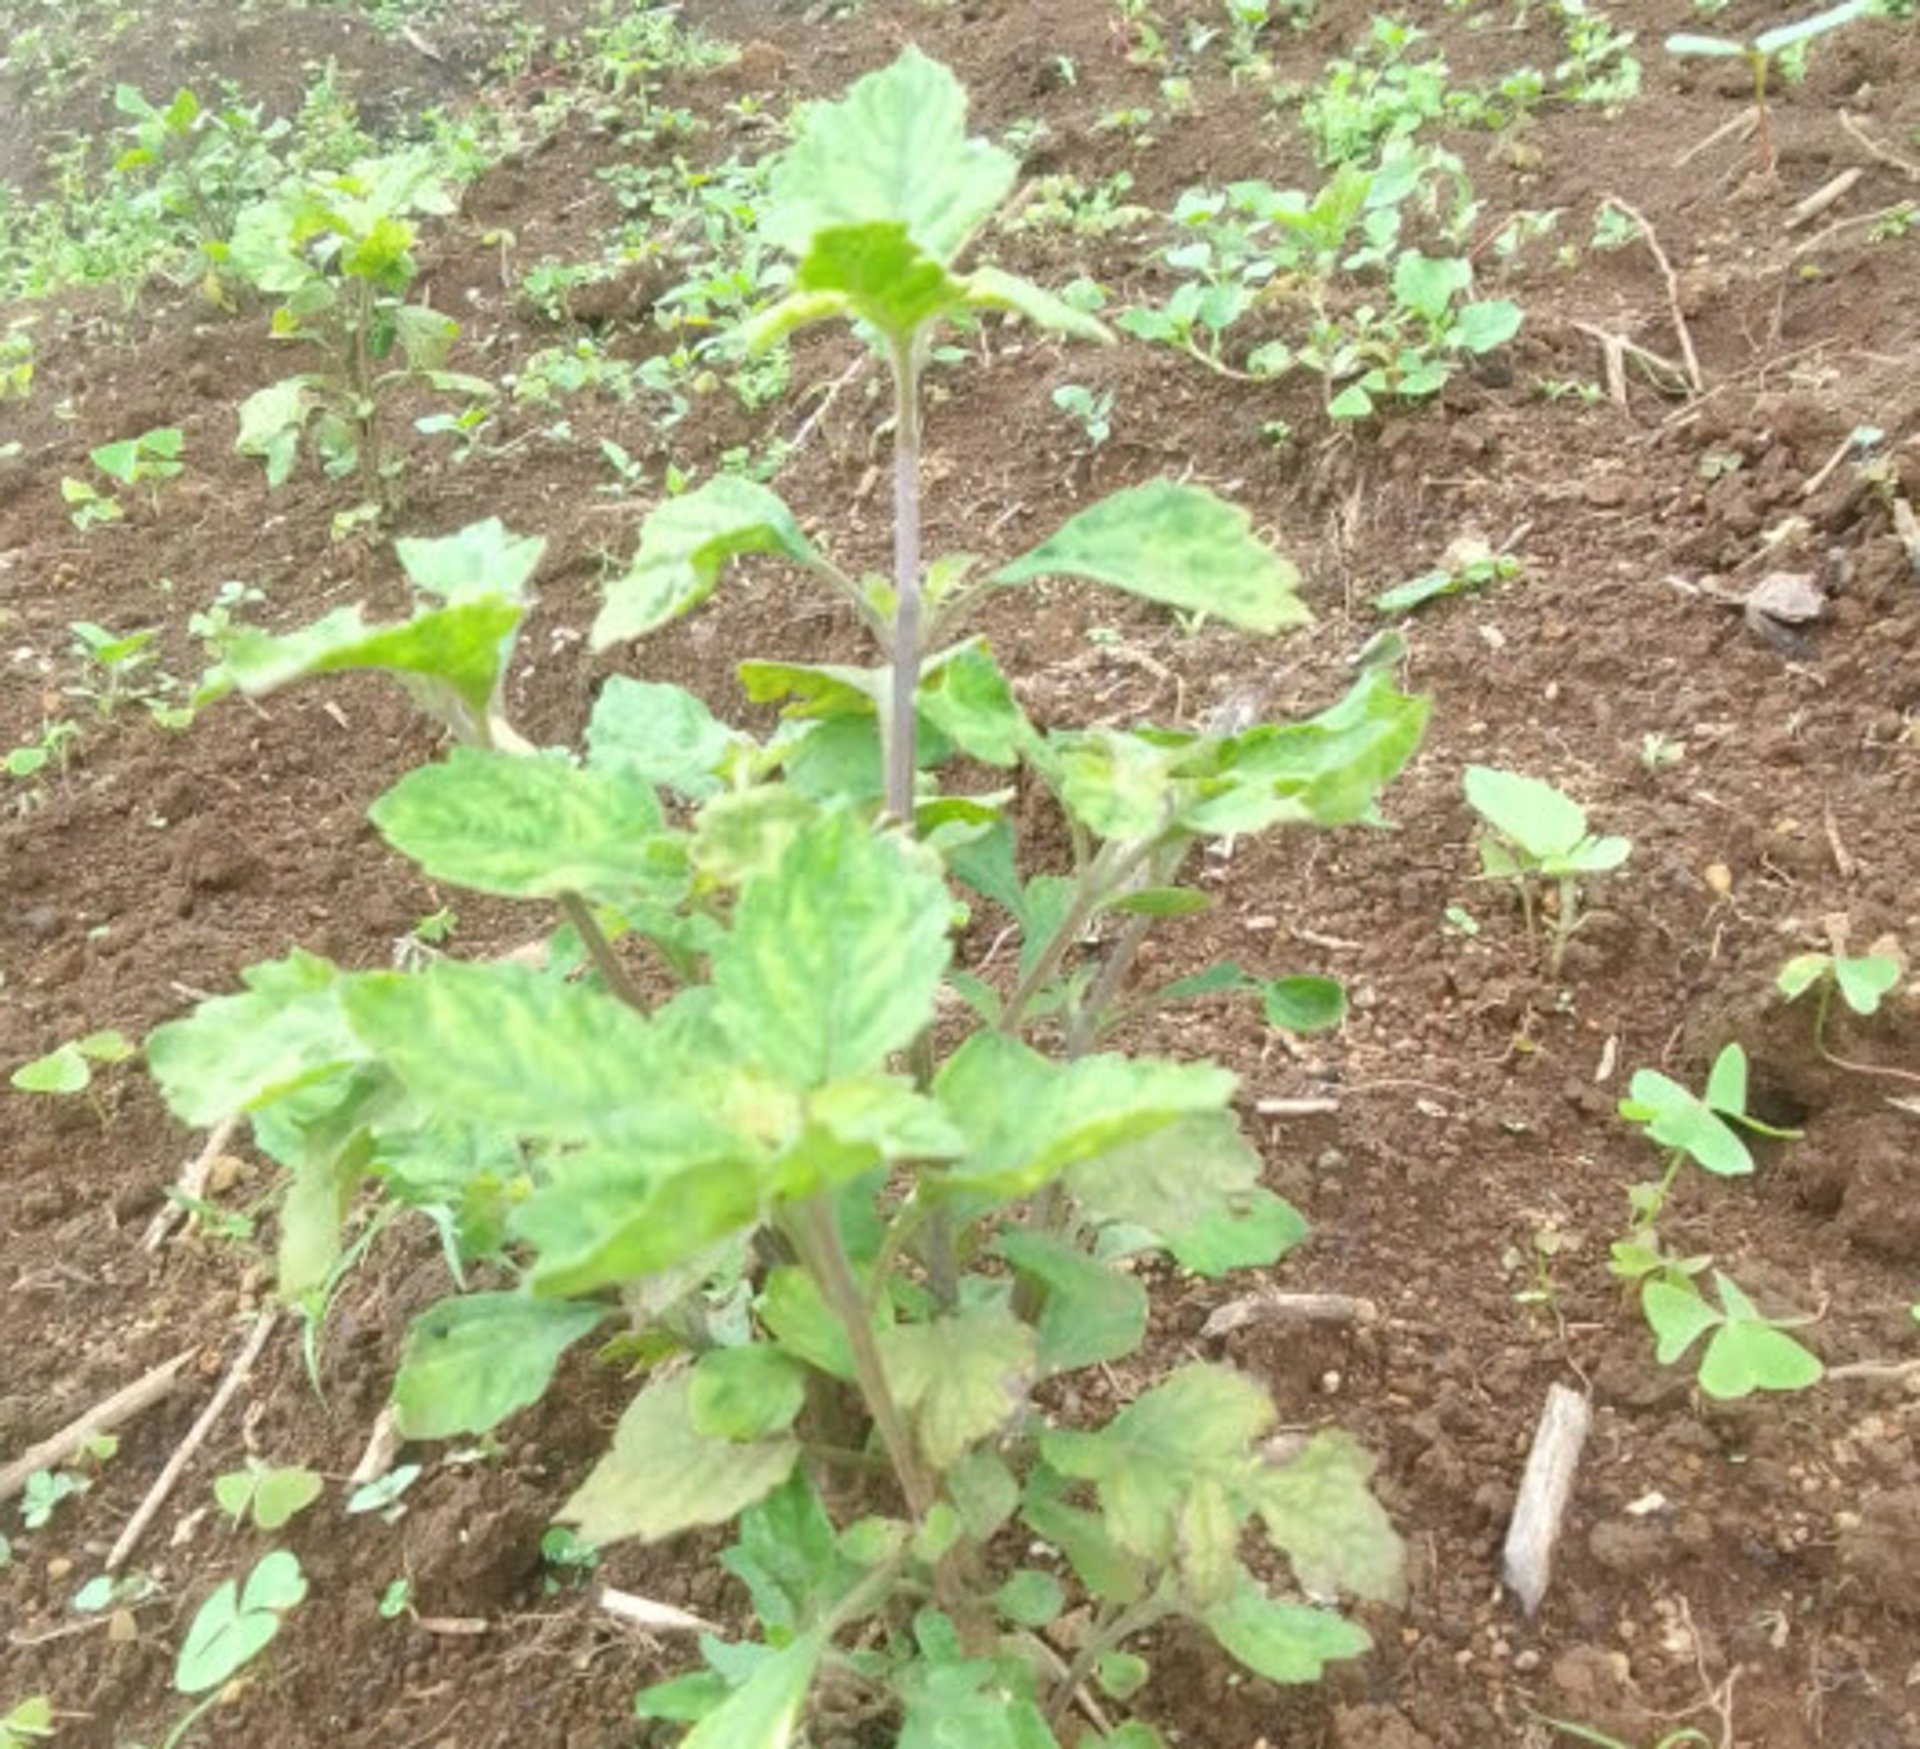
x,y
1823,197
656,1618
105,1415
1680,329
196,1437
1881,154
1545,1489
1617,348
1265,1308
1899,209
192,1185
1743,124
1886,1371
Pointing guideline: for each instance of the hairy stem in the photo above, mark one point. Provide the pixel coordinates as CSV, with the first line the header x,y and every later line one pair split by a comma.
x,y
1108,1634
817,1240
600,950
904,356
1097,880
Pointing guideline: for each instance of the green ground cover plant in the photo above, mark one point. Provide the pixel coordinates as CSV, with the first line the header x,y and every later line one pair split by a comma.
x,y
1862,982
1747,1351
855,1204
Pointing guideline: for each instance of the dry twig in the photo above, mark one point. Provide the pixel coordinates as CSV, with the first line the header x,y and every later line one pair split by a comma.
x,y
192,1184
1264,1308
163,1484
1879,153
1681,332
105,1415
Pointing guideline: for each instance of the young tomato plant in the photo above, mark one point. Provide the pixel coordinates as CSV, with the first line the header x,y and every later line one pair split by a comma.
x,y
1748,1351
337,251
1536,835
841,1238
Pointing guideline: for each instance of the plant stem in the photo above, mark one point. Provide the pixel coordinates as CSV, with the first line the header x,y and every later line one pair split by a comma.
x,y
600,950
1840,1062
817,1240
1109,870
904,357
1116,1630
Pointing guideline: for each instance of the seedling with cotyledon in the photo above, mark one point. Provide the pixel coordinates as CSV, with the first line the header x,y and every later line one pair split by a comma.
x,y
1747,1351
1535,836
841,1239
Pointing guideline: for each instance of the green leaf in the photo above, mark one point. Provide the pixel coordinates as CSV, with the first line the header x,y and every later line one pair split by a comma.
x,y
959,1379
1678,1316
513,1048
1178,545
1171,1182
764,1711
1028,1119
479,562
893,150
745,1393
461,648
1304,1004
1427,285
1480,327
1284,1642
834,957
612,1215
789,1558
1785,36
877,273
791,1308
105,1046
529,827
1088,1312
663,1475
1108,1571
658,734
1030,1598
1801,973
238,1053
471,1361
1717,47
1116,784
1160,902
1675,1118
983,1492
992,288
1122,1675
235,1624
1863,981
272,1495
60,1071
1258,1230
1535,815
1417,591
1172,1460
1318,1508
683,546
965,696
1352,402
1726,1088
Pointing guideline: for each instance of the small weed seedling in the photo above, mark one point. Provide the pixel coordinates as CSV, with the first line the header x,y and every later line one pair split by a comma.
x,y
16,360
114,668
842,1241
231,1629
69,1069
215,624
1748,1351
1758,52
1092,411
268,1495
1686,1737
145,460
43,1491
1861,980
1536,836
30,760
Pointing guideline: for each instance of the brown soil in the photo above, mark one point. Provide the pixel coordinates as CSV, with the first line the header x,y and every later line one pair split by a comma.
x,y
1766,1552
